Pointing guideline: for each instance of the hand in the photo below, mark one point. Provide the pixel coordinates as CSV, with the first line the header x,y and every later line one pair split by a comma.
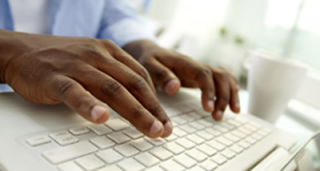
x,y
171,70
51,70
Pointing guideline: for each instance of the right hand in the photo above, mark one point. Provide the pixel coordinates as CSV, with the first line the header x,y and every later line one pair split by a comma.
x,y
51,70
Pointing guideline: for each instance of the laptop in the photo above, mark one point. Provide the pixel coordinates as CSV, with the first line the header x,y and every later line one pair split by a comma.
x,y
54,138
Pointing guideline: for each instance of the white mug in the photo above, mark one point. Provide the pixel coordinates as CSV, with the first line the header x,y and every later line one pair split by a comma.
x,y
272,82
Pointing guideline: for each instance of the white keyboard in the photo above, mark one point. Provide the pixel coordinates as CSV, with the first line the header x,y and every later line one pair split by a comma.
x,y
198,143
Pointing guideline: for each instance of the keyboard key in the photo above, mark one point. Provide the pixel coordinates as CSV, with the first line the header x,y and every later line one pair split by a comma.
x,y
174,148
187,117
172,111
213,132
250,140
90,162
234,122
250,127
228,153
224,141
39,140
256,136
197,155
185,161
66,140
231,137
207,149
241,119
156,168
179,120
219,159
194,115
197,168
172,137
221,128
60,134
69,166
196,125
141,144
238,134
196,139
208,165
179,132
216,145
79,130
117,124
205,135
244,144
204,122
147,159
102,142
133,133
171,166
62,154
100,129
130,165
126,150
188,129
119,137
228,126
185,143
236,148
245,130
156,141
111,168
109,156
161,153
256,125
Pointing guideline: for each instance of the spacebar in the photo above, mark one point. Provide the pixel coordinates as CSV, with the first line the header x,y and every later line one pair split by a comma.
x,y
62,154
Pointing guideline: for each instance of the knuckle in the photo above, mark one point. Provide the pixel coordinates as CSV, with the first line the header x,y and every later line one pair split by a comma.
x,y
224,99
222,75
138,113
204,72
111,88
64,86
144,73
138,83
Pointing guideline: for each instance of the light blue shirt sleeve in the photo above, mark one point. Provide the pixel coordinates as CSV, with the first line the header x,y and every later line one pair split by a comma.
x,y
121,24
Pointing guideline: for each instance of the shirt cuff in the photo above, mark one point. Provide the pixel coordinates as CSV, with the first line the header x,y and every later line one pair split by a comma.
x,y
126,31
5,88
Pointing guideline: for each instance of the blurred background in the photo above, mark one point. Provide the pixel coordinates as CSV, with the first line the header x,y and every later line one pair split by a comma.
x,y
221,33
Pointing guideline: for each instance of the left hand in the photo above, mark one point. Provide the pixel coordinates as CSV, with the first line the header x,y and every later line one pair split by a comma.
x,y
171,70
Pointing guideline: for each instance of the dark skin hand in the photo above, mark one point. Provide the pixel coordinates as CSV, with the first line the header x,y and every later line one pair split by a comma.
x,y
49,70
171,70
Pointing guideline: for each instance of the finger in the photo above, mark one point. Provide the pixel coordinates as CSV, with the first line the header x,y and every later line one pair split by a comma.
x,y
130,62
78,99
118,97
162,76
223,93
202,75
139,88
234,88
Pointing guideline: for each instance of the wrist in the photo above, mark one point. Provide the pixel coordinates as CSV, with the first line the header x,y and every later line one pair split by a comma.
x,y
12,45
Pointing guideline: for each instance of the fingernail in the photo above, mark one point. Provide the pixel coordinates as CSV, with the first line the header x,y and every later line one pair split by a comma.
x,y
167,128
220,114
97,112
155,128
211,105
171,85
